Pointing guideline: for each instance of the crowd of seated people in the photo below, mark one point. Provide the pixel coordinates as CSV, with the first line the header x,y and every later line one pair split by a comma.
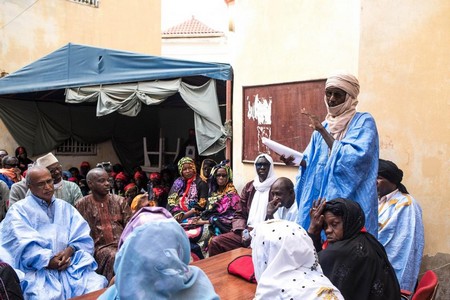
x,y
214,217
366,247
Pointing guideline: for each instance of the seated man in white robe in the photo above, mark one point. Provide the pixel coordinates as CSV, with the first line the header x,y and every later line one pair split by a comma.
x,y
282,206
400,225
49,241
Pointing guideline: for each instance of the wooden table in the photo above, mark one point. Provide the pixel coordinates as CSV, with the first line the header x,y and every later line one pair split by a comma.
x,y
227,286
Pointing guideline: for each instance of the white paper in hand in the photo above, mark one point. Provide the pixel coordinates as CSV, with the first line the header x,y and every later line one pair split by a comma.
x,y
283,150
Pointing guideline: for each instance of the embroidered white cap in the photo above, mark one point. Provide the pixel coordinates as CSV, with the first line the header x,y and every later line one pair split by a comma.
x,y
46,160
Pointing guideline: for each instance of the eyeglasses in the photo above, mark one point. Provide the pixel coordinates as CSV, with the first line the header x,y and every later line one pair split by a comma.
x,y
43,184
221,175
260,165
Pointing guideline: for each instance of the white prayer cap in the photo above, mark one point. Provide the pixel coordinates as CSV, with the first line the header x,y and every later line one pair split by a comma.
x,y
46,160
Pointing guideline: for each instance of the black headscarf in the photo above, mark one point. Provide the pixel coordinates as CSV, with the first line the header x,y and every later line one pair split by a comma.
x,y
357,265
351,213
387,169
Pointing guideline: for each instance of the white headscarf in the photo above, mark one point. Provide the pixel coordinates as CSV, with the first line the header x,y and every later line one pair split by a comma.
x,y
258,209
339,117
286,263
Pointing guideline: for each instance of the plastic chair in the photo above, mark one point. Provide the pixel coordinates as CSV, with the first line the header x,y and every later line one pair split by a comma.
x,y
427,287
425,290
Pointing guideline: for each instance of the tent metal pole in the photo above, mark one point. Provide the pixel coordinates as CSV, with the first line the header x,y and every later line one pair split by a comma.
x,y
228,118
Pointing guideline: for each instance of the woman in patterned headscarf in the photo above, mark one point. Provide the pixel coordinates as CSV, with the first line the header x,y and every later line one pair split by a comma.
x,y
205,171
286,264
187,199
206,168
222,201
354,261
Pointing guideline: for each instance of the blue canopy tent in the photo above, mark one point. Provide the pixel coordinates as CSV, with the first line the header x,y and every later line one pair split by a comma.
x,y
91,93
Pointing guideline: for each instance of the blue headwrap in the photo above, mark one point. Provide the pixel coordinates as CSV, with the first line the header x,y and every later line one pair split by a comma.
x,y
153,263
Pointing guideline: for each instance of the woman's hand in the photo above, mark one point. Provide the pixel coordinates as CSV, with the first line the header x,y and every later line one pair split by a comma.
x,y
190,213
317,217
198,221
179,217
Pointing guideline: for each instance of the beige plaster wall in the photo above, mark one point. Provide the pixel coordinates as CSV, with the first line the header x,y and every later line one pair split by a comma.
x,y
30,30
404,69
400,52
213,49
286,41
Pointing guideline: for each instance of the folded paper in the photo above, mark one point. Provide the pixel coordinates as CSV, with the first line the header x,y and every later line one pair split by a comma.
x,y
283,150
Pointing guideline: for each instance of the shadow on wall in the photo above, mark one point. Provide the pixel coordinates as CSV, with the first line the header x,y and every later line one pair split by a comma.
x,y
440,264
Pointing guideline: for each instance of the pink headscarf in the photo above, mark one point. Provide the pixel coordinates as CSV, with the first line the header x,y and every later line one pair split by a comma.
x,y
145,215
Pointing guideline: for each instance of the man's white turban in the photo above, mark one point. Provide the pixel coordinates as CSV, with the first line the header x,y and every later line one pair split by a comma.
x,y
345,82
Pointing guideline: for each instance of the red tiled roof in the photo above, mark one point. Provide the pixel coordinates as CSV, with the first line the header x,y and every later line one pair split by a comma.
x,y
191,28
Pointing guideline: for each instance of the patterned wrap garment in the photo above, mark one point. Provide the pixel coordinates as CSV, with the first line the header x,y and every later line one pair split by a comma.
x,y
222,203
187,194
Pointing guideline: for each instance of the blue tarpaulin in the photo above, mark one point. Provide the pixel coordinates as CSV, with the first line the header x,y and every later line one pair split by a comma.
x,y
35,110
78,65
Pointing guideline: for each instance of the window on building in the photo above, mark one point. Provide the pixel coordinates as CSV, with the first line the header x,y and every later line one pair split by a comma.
x,y
73,147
